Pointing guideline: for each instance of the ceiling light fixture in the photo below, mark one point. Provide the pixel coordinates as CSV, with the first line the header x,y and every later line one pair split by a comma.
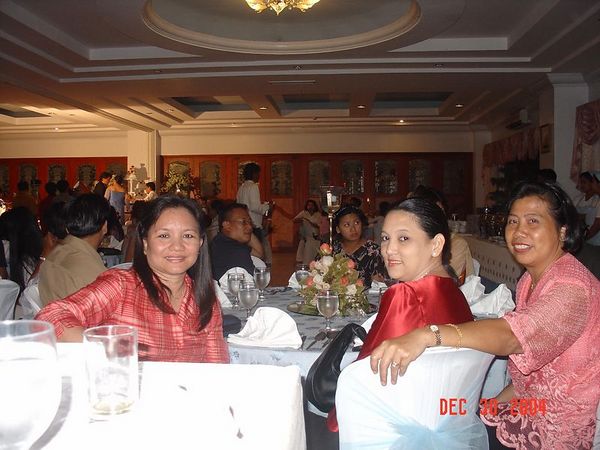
x,y
263,108
361,106
279,5
459,105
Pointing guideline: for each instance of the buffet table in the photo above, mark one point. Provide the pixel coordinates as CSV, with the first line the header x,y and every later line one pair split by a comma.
x,y
497,264
184,406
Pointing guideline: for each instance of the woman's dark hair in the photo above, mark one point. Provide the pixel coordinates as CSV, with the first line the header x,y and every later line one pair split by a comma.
x,y
433,221
19,227
200,272
349,209
87,214
250,169
310,200
560,207
119,179
138,209
53,220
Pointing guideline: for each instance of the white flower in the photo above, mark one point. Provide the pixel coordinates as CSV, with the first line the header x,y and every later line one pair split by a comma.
x,y
318,279
319,266
327,261
325,286
351,289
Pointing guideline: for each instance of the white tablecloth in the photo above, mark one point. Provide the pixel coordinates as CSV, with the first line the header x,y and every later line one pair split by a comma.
x,y
497,264
185,406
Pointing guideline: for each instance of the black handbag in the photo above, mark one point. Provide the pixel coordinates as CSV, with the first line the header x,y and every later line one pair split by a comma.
x,y
321,381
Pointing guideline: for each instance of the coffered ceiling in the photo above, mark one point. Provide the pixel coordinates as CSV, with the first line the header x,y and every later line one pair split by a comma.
x,y
80,65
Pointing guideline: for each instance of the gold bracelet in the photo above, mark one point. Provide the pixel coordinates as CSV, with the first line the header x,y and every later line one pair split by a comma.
x,y
458,332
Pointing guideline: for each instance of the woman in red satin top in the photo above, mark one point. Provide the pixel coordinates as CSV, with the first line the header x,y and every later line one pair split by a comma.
x,y
415,246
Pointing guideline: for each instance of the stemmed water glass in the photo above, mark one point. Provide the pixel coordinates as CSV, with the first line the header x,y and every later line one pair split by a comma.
x,y
248,295
328,303
30,390
233,284
262,278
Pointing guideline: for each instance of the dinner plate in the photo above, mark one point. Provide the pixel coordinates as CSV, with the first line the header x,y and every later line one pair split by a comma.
x,y
311,310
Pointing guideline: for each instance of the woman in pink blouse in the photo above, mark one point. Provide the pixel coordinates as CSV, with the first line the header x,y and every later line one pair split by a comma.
x,y
552,336
167,295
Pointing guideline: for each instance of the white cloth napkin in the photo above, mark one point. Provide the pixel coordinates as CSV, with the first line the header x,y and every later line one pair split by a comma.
x,y
367,324
268,327
223,299
376,286
472,289
223,279
293,282
495,304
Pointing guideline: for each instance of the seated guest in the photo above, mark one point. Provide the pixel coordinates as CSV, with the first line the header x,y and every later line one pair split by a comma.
x,y
551,338
22,247
150,191
75,262
461,259
23,198
310,221
63,192
415,247
214,207
348,224
167,295
231,246
138,210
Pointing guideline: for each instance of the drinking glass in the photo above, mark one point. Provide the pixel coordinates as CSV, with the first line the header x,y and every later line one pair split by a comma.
x,y
233,284
328,303
302,273
262,278
248,295
30,381
111,361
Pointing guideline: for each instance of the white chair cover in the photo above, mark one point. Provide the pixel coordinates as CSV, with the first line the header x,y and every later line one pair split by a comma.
x,y
476,267
407,415
9,291
30,301
258,262
223,280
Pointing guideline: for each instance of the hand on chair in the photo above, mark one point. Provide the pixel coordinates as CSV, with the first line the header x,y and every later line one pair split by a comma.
x,y
397,353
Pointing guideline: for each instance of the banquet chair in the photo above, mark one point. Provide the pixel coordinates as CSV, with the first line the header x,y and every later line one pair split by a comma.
x,y
433,406
30,301
125,265
9,291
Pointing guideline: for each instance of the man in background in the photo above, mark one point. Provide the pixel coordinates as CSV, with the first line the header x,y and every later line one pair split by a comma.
x,y
100,187
24,198
75,261
249,195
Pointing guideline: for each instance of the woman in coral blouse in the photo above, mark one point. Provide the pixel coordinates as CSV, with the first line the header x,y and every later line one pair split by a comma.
x,y
167,295
551,337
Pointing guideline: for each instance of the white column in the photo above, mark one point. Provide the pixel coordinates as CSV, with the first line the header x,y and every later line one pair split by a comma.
x,y
143,152
570,91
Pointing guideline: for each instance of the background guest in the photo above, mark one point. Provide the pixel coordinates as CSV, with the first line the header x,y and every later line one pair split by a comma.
x,y
588,207
551,337
310,221
214,207
24,198
167,295
75,261
248,194
376,223
348,223
100,186
138,210
63,191
231,246
150,190
50,188
116,194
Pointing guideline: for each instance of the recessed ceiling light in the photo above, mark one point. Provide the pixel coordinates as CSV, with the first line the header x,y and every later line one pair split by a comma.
x,y
170,110
262,108
438,65
401,121
234,125
361,106
459,105
158,71
56,128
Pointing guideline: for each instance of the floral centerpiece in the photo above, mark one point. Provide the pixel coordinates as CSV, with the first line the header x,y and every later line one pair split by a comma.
x,y
336,273
178,183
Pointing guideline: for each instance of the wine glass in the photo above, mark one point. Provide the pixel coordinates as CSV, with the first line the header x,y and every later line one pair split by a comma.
x,y
302,273
233,284
328,303
30,390
262,278
248,296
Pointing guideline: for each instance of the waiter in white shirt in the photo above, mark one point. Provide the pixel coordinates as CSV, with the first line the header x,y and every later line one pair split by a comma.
x,y
249,195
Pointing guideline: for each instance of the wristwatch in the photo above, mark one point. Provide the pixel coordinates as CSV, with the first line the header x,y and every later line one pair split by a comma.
x,y
438,336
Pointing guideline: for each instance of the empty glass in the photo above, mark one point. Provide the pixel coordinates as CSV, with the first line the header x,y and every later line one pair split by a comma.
x,y
233,284
302,273
30,387
328,303
262,278
248,295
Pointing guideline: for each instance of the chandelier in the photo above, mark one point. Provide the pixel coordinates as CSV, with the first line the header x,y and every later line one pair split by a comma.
x,y
280,5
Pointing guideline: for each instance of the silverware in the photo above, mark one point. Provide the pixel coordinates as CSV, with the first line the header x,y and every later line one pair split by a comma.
x,y
319,337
